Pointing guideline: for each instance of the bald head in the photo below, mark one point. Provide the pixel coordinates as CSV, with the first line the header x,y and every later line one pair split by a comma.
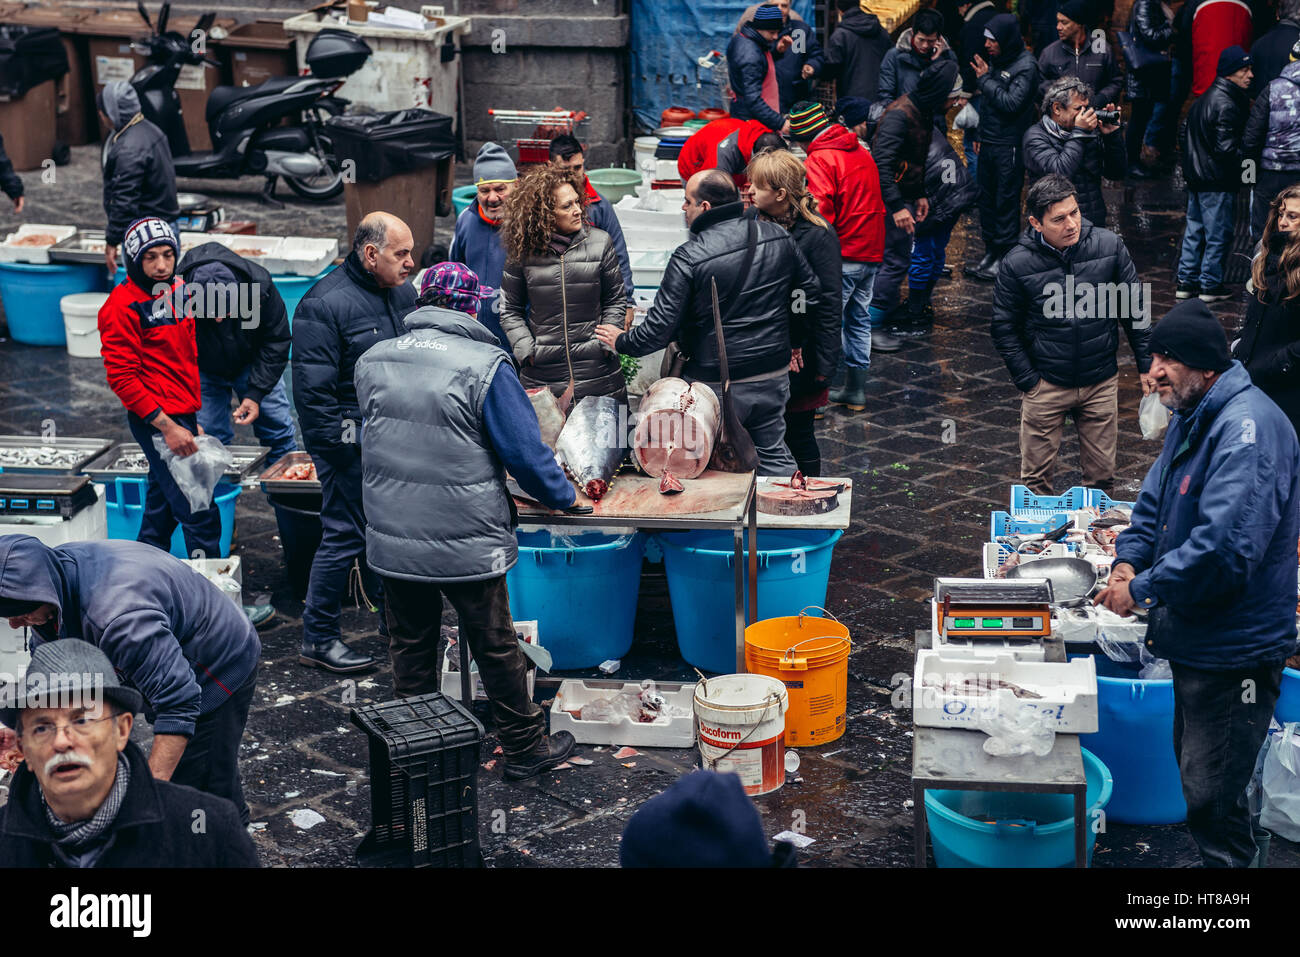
x,y
707,190
384,245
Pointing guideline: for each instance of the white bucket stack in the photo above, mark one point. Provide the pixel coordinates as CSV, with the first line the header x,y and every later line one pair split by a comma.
x,y
81,321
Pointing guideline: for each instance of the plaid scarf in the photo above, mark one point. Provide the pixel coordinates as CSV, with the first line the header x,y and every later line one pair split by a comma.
x,y
75,837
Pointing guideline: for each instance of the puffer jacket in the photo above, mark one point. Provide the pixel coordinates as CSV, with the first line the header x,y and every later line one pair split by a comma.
x,y
1096,68
902,66
1008,89
948,185
758,326
1214,530
902,139
550,307
818,335
1153,29
1269,347
1045,305
1081,158
1212,138
1273,129
854,55
844,178
746,70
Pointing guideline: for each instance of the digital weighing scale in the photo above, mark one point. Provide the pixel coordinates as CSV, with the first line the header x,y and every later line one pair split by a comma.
x,y
976,616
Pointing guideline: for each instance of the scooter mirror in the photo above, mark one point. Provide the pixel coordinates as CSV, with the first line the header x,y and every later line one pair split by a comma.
x,y
139,5
163,16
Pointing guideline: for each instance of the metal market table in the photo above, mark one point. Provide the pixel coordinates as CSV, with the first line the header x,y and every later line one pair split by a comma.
x,y
953,759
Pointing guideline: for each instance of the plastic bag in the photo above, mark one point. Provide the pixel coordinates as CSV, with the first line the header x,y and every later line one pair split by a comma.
x,y
1152,417
1120,637
1014,730
1280,812
966,119
1153,668
198,474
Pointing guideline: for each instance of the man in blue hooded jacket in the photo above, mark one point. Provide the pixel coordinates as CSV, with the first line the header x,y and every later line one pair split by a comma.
x,y
1210,556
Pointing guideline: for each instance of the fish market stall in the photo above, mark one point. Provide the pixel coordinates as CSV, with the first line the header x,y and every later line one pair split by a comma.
x,y
33,281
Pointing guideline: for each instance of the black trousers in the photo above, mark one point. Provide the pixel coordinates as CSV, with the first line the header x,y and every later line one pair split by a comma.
x,y
414,614
801,438
1139,120
210,761
1001,175
1220,720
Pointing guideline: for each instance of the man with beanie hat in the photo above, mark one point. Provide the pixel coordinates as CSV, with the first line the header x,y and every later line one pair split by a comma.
x,y
83,794
751,69
844,178
1007,84
151,360
446,418
856,52
1210,558
1212,154
139,177
705,819
1077,54
854,113
476,241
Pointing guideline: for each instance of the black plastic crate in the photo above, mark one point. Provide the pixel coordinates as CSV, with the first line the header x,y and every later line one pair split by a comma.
x,y
424,755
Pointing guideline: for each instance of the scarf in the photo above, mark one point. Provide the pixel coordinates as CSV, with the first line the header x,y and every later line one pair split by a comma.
x,y
592,195
1055,129
494,223
560,243
787,221
79,839
771,92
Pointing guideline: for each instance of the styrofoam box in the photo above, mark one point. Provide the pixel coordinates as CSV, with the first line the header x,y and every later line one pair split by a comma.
x,y
33,254
88,525
643,238
665,733
231,566
301,256
267,247
648,267
451,679
1075,624
632,217
1068,689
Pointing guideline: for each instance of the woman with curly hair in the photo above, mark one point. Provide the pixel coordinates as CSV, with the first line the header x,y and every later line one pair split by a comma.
x,y
1269,346
561,280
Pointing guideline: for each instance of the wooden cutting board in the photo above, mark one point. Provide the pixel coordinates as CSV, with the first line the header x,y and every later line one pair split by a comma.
x,y
637,496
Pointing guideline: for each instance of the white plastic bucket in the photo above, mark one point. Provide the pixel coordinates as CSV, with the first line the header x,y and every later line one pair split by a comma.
x,y
644,147
81,322
742,729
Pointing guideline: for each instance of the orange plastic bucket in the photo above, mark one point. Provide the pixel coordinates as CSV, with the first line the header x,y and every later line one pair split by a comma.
x,y
810,656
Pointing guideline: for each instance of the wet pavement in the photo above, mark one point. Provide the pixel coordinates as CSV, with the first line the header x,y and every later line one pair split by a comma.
x,y
934,452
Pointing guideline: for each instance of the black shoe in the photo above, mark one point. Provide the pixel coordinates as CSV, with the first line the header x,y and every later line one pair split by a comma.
x,y
920,327
1215,294
1188,290
946,272
551,750
985,270
335,656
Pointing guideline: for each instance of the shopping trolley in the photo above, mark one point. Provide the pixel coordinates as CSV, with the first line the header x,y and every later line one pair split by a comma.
x,y
531,131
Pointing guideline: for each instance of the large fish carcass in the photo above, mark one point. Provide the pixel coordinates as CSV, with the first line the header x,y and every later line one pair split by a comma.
x,y
676,428
591,446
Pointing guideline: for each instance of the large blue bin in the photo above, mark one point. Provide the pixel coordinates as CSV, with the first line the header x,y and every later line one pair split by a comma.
x,y
1135,738
31,293
582,591
124,498
1003,829
794,567
1288,702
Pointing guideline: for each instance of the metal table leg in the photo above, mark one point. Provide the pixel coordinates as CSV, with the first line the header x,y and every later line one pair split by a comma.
x,y
738,562
918,822
1080,827
753,556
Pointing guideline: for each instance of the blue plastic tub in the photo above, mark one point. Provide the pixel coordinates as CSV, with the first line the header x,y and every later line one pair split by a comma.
x,y
1135,738
582,592
462,198
124,498
794,567
31,293
1288,702
1027,830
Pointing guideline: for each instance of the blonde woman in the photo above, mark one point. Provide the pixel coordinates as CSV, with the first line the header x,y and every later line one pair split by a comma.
x,y
781,195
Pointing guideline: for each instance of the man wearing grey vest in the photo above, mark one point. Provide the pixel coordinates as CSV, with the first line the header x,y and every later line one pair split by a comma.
x,y
444,418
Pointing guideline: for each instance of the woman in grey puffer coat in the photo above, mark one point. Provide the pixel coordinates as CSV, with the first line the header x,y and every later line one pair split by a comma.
x,y
561,280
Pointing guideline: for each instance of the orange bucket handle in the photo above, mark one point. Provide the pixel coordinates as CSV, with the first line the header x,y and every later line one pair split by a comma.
x,y
819,608
801,664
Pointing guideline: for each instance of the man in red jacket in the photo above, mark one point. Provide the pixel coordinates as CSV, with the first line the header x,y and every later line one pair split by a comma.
x,y
152,361
843,177
727,144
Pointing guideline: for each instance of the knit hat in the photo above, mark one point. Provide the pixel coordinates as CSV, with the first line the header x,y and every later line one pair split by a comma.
x,y
853,110
807,119
767,17
68,673
704,820
459,284
1076,10
142,236
494,165
1232,59
1190,334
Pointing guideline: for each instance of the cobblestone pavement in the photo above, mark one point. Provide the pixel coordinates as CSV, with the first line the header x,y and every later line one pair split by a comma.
x,y
920,510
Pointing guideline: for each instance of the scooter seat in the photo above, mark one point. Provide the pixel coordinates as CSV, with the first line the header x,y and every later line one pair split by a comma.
x,y
223,96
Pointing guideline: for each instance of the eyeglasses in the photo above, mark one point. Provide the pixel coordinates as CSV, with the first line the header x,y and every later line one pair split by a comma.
x,y
47,731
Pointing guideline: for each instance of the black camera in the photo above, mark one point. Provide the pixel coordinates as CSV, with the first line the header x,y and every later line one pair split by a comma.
x,y
1109,117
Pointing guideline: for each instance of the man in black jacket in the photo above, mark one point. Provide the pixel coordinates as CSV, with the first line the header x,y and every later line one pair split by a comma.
x,y
1071,141
1212,145
918,47
1007,83
856,51
1272,51
243,337
1061,295
1077,54
757,310
342,316
84,795
139,178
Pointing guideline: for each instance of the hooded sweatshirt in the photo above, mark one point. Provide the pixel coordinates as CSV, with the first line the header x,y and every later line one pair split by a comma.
x,y
726,144
843,177
169,632
855,53
139,178
1009,87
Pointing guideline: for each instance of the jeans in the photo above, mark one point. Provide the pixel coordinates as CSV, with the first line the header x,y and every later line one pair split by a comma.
x,y
164,503
1207,238
886,291
273,426
413,610
857,281
928,255
210,761
1001,177
760,409
1162,131
1217,737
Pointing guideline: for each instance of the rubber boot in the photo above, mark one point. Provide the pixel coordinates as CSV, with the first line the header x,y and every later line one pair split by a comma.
x,y
920,314
881,340
853,394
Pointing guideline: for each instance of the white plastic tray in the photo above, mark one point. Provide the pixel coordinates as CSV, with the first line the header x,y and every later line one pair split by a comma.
x,y
648,267
301,256
666,733
33,254
189,240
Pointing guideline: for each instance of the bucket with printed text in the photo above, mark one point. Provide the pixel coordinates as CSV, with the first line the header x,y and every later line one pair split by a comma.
x,y
810,657
741,722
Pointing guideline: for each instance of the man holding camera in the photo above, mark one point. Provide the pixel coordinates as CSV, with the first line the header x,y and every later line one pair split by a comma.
x,y
1077,142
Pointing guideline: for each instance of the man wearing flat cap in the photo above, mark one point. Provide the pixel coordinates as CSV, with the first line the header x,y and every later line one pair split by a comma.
x,y
83,795
1210,556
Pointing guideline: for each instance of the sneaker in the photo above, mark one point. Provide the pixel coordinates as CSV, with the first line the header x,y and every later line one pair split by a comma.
x,y
1188,290
259,614
883,342
551,750
1215,294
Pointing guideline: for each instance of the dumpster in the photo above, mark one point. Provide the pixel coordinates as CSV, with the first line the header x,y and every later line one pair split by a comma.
x,y
108,51
409,68
74,107
258,51
399,159
32,59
